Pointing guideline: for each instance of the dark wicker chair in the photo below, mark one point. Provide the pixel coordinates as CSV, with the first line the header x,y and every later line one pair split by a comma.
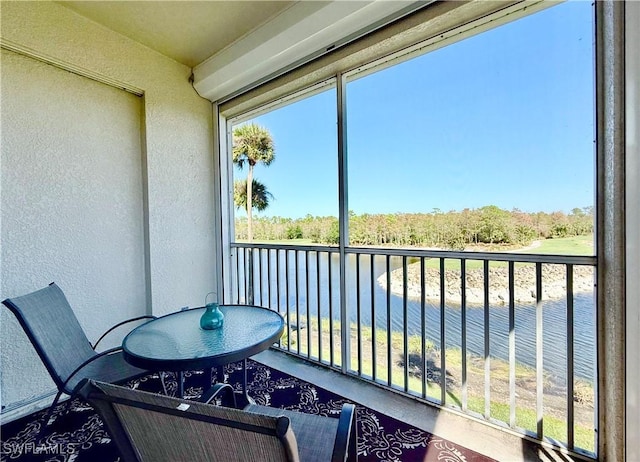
x,y
53,329
157,428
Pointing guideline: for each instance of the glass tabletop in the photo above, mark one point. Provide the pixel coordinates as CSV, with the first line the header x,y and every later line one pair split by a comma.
x,y
176,341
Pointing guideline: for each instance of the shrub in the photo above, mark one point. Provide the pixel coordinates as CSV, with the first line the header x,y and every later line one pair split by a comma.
x,y
294,232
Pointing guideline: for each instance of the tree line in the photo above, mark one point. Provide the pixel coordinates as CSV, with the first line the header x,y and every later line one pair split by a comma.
x,y
453,230
253,145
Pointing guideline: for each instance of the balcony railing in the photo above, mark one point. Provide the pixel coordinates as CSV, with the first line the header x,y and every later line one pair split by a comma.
x,y
508,338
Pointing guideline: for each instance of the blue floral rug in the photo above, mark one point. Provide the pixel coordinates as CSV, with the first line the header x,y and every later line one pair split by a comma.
x,y
77,435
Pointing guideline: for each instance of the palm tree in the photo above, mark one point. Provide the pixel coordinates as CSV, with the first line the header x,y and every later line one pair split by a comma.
x,y
260,196
252,144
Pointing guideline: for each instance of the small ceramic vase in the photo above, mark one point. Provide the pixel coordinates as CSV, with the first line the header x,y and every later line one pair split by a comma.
x,y
212,318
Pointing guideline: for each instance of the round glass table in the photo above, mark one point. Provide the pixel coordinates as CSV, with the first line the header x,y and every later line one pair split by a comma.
x,y
176,342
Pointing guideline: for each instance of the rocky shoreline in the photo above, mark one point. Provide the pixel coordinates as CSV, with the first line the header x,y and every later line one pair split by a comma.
x,y
553,284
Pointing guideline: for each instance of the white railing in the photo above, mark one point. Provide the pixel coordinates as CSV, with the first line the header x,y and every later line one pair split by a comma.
x,y
504,337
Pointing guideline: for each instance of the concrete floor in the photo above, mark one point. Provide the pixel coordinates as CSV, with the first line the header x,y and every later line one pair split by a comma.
x,y
490,440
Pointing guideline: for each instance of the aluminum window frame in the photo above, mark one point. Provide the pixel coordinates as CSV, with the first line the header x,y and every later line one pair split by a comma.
x,y
611,242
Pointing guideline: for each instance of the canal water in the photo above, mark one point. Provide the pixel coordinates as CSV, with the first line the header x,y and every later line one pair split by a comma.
x,y
299,289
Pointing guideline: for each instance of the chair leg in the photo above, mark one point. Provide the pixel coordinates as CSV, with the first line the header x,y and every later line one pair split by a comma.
x,y
48,417
180,391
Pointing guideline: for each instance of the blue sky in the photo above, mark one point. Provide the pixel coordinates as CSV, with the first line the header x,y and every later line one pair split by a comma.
x,y
503,118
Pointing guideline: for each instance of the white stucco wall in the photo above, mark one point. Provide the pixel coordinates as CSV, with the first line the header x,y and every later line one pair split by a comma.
x,y
177,163
72,199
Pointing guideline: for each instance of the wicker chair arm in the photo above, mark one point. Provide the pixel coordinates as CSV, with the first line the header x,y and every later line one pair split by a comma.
x,y
118,325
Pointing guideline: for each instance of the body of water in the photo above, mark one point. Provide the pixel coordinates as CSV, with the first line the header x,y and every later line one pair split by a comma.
x,y
298,287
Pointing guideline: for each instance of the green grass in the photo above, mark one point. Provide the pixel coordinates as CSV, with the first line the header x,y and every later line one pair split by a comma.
x,y
575,245
526,419
554,428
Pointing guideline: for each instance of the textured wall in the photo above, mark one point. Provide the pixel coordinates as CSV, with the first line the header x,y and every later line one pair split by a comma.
x,y
176,136
72,198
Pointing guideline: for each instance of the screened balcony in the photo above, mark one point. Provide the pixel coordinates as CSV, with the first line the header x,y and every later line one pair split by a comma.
x,y
118,182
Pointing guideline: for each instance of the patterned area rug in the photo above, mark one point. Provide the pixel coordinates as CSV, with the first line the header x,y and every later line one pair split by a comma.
x,y
77,435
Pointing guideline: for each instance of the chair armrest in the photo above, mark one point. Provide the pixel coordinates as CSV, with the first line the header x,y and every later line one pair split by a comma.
x,y
121,324
346,435
217,390
81,366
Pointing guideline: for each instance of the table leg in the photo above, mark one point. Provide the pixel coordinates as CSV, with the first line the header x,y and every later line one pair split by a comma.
x,y
245,389
179,379
164,385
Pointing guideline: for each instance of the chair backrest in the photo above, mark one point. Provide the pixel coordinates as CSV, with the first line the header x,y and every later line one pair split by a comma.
x,y
156,428
49,322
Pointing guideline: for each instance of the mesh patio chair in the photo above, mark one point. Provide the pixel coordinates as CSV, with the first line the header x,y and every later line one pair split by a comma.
x,y
53,329
157,428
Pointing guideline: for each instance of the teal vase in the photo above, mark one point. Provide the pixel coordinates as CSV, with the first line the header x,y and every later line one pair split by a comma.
x,y
212,318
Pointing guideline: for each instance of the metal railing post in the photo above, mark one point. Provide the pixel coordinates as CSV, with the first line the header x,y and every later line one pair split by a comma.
x,y
249,276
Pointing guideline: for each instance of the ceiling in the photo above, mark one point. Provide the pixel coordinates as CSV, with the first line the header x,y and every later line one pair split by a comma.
x,y
231,45
187,31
